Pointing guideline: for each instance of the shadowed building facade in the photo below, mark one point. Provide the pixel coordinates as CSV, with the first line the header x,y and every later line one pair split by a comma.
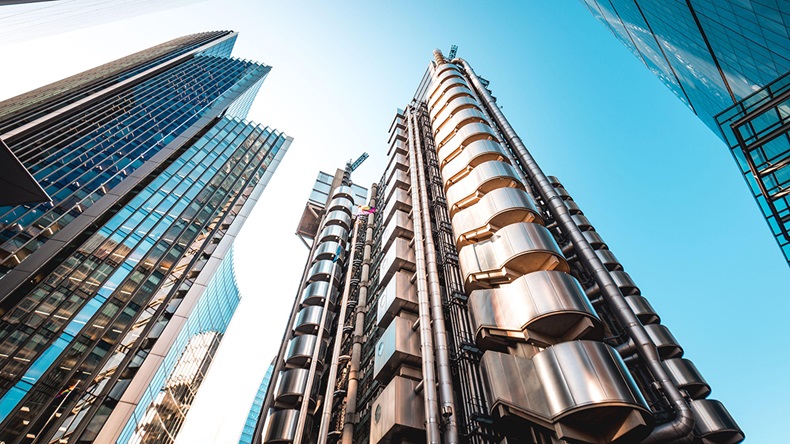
x,y
472,301
152,171
729,62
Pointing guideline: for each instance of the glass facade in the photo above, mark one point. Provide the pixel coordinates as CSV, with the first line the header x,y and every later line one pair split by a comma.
x,y
719,57
91,152
166,401
255,411
322,186
147,177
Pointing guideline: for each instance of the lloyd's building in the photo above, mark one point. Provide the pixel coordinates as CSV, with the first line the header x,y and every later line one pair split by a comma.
x,y
474,302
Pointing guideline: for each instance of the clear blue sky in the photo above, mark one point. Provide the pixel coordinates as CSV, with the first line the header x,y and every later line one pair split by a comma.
x,y
661,189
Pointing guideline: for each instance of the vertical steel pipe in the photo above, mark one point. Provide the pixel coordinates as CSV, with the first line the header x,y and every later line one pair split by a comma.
x,y
432,423
326,415
683,424
359,328
437,314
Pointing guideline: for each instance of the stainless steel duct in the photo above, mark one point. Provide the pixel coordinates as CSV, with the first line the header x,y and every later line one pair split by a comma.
x,y
683,424
359,327
444,370
426,338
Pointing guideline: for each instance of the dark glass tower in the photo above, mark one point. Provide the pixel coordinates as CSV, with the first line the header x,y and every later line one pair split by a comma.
x,y
472,301
729,61
152,172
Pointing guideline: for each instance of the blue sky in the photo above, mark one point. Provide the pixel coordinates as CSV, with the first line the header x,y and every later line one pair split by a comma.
x,y
660,188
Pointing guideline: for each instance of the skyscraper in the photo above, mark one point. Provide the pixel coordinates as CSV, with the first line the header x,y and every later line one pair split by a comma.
x,y
729,62
255,410
473,302
152,172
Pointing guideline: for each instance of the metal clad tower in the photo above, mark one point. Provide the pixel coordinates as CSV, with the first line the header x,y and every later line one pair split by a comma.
x,y
478,304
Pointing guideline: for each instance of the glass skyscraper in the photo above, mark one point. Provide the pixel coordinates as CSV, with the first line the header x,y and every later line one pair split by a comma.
x,y
162,408
255,411
729,61
152,171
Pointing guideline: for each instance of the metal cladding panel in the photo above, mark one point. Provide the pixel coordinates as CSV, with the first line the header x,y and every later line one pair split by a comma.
x,y
281,426
624,282
308,320
594,239
543,308
567,387
582,222
562,192
399,179
397,199
587,381
573,208
399,294
642,309
339,217
327,250
398,162
397,146
513,251
442,80
398,345
333,233
459,118
398,225
484,178
466,135
341,203
512,387
291,388
323,271
300,351
343,191
398,414
400,256
608,259
668,346
449,90
438,116
686,377
314,294
713,422
471,156
497,209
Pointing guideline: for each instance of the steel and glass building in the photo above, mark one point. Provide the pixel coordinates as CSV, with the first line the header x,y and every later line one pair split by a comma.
x,y
474,302
151,171
255,410
163,407
729,62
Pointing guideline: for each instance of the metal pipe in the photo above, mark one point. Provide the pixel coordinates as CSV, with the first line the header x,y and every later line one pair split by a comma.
x,y
279,360
359,328
326,415
444,370
683,424
426,340
300,424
